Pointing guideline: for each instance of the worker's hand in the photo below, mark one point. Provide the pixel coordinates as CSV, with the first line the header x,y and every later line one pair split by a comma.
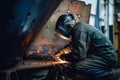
x,y
57,58
57,55
67,50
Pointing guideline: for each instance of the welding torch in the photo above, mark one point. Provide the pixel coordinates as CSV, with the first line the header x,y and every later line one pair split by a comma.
x,y
66,50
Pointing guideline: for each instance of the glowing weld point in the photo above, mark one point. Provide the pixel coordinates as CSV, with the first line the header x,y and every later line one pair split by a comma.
x,y
64,61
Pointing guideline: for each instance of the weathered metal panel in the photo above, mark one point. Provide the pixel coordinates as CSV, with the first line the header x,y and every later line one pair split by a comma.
x,y
46,38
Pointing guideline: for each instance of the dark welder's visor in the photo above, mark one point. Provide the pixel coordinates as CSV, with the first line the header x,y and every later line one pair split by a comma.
x,y
63,31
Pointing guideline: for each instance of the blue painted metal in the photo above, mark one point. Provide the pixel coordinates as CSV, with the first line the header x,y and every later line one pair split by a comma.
x,y
18,18
97,19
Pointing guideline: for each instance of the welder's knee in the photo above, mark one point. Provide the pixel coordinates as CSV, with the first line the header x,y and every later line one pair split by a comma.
x,y
91,68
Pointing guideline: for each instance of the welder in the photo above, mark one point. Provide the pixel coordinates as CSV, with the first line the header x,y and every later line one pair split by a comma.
x,y
90,52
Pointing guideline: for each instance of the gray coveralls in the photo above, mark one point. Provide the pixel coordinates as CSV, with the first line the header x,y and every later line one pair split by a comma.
x,y
93,54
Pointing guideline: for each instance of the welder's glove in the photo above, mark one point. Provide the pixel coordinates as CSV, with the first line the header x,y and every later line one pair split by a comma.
x,y
66,50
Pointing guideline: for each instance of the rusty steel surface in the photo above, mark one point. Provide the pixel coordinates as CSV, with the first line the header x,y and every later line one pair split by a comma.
x,y
32,64
37,64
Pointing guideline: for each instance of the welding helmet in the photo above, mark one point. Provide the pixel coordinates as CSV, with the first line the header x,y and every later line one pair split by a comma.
x,y
62,28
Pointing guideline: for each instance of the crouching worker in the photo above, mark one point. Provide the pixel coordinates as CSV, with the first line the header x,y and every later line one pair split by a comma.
x,y
90,51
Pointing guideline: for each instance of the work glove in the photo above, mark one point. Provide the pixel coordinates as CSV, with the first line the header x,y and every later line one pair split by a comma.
x,y
66,50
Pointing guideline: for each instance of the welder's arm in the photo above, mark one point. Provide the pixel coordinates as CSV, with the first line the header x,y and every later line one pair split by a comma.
x,y
66,50
80,44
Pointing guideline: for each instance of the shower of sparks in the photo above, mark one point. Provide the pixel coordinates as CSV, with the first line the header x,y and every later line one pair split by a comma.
x,y
61,70
62,61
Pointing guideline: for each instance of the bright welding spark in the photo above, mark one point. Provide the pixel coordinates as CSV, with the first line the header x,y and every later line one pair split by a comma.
x,y
62,61
66,50
58,59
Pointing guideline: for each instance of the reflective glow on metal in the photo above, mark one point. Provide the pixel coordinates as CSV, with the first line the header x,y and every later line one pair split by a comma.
x,y
63,37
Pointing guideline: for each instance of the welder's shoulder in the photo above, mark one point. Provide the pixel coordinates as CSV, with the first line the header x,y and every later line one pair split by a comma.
x,y
82,25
